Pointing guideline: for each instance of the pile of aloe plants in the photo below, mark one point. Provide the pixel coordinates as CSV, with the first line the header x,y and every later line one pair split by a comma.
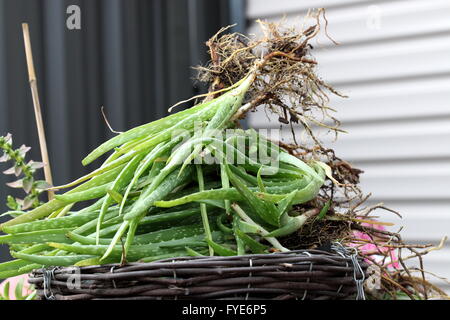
x,y
194,183
187,184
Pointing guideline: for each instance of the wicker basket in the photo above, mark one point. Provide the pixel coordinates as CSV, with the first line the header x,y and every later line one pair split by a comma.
x,y
310,274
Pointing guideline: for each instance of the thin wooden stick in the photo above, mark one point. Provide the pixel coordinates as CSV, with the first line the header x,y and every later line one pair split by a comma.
x,y
37,108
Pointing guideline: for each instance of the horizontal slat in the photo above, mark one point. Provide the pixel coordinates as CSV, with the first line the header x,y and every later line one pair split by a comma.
x,y
382,101
407,180
394,100
368,21
263,8
396,140
418,139
424,221
378,61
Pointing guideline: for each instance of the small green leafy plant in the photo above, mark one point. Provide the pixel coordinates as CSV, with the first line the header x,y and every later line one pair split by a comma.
x,y
18,292
25,172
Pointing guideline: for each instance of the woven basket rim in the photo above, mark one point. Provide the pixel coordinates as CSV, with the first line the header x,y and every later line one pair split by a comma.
x,y
311,274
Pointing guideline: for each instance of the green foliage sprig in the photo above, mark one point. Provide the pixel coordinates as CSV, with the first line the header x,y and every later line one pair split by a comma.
x,y
25,171
18,292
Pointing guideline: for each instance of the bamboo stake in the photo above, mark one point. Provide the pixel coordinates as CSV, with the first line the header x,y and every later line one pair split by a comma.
x,y
37,108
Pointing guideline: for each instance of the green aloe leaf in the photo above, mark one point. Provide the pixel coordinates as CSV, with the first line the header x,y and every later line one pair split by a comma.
x,y
267,211
253,245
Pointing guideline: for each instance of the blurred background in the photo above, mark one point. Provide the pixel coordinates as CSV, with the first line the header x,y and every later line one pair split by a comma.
x,y
134,58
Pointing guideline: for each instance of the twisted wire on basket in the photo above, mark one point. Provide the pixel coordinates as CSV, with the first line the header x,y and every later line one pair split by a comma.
x,y
310,274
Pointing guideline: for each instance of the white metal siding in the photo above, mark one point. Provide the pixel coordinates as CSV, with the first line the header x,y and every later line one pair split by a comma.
x,y
394,64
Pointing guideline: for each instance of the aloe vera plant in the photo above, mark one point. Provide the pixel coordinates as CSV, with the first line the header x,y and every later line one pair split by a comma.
x,y
192,183
153,199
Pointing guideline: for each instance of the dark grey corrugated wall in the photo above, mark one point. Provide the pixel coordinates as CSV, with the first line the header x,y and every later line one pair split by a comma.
x,y
131,56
